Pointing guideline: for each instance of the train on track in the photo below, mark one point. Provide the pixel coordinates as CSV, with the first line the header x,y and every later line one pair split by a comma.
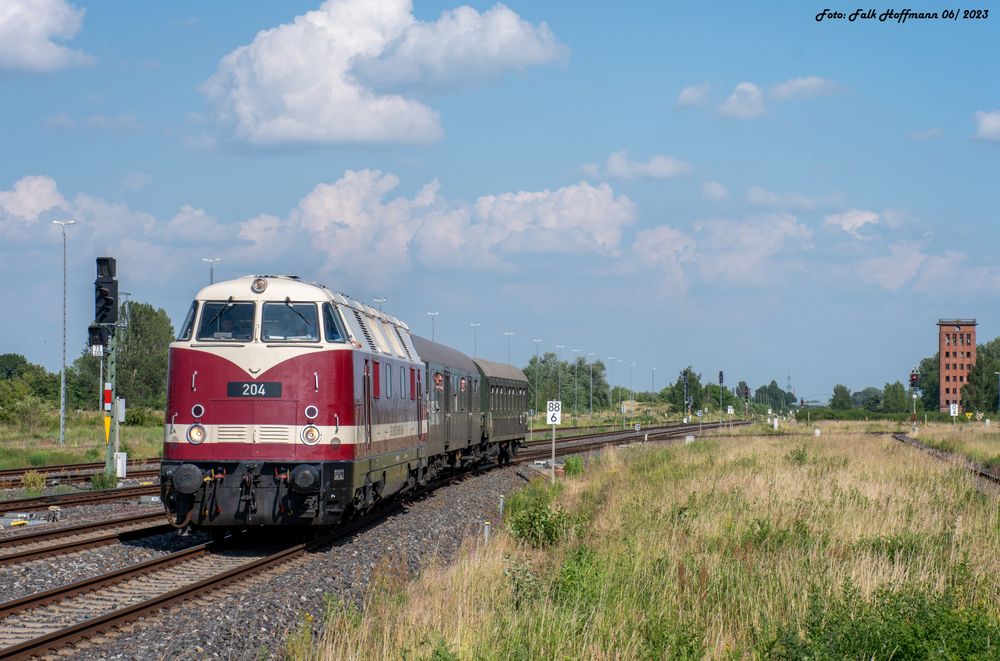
x,y
291,404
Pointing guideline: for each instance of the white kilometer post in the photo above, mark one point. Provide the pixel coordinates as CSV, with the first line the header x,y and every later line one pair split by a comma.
x,y
553,412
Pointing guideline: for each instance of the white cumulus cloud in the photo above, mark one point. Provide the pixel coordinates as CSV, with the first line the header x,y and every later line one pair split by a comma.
x,y
988,125
803,88
761,197
462,46
746,102
851,221
356,225
317,79
713,191
29,30
29,198
743,251
693,95
620,166
666,250
894,270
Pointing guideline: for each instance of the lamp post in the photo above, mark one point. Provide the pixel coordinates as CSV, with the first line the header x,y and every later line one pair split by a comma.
x,y
611,387
620,360
62,373
211,268
591,387
380,301
631,393
576,395
538,367
652,386
559,349
475,339
508,334
432,315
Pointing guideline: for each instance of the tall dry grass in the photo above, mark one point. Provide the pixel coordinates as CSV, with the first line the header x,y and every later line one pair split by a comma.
x,y
750,547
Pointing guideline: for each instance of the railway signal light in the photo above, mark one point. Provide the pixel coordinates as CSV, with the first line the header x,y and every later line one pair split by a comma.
x,y
106,292
914,378
98,335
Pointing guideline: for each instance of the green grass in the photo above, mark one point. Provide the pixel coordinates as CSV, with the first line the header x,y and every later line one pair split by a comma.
x,y
38,446
759,547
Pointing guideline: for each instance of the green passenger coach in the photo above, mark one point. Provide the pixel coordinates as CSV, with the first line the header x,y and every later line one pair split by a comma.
x,y
503,396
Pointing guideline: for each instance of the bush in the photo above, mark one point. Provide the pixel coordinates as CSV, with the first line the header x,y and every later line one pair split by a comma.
x,y
574,466
798,456
533,518
143,416
104,481
906,624
33,481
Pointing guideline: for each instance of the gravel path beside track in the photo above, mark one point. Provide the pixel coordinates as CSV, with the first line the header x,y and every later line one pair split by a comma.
x,y
250,620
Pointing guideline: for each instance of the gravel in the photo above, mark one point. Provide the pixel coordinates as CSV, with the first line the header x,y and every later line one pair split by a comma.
x,y
38,575
76,514
250,619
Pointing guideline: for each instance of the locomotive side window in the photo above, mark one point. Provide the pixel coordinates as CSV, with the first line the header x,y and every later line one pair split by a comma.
x,y
226,321
331,325
188,326
289,322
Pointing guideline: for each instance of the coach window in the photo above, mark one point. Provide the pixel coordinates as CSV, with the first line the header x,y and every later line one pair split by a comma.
x,y
188,327
226,321
331,325
289,322
388,381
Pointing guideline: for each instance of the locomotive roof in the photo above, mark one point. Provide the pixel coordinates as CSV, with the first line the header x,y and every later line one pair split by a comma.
x,y
500,370
432,352
281,286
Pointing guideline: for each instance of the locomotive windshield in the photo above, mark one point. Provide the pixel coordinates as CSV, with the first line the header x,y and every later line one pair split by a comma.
x,y
188,326
333,331
289,322
226,321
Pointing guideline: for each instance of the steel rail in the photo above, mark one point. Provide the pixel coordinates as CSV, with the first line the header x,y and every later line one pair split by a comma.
x,y
105,532
89,627
945,456
79,498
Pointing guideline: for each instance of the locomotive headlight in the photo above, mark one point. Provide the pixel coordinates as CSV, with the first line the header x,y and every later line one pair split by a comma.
x,y
196,434
310,435
312,412
258,285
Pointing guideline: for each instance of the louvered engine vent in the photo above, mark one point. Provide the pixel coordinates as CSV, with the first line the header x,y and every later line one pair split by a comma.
x,y
406,349
364,329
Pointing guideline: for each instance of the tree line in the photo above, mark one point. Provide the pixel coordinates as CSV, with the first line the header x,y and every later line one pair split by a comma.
x,y
979,392
27,389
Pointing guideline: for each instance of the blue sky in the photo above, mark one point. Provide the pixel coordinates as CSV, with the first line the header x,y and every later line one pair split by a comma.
x,y
729,185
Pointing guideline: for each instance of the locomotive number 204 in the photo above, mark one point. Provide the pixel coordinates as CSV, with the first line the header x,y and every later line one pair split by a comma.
x,y
254,389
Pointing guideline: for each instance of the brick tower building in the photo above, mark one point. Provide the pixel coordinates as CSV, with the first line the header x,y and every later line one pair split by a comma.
x,y
957,354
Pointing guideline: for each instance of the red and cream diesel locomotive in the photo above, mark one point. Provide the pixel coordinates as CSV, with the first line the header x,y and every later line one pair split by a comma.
x,y
290,404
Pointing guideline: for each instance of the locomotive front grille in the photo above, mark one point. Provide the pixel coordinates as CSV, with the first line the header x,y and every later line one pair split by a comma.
x,y
272,433
233,433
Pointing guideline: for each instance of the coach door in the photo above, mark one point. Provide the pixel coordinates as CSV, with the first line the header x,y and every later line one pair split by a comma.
x,y
368,405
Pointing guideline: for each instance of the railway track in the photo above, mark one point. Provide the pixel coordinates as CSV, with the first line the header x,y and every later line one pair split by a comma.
x,y
979,471
47,543
53,619
80,498
76,473
543,449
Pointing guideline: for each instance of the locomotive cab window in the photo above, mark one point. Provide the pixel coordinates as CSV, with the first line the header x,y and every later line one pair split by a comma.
x,y
331,325
226,321
289,322
188,326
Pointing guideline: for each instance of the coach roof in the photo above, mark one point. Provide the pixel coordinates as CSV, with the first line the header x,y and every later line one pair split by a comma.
x,y
500,370
432,352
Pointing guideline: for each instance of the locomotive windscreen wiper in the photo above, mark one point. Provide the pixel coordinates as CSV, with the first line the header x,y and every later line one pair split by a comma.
x,y
218,314
288,302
